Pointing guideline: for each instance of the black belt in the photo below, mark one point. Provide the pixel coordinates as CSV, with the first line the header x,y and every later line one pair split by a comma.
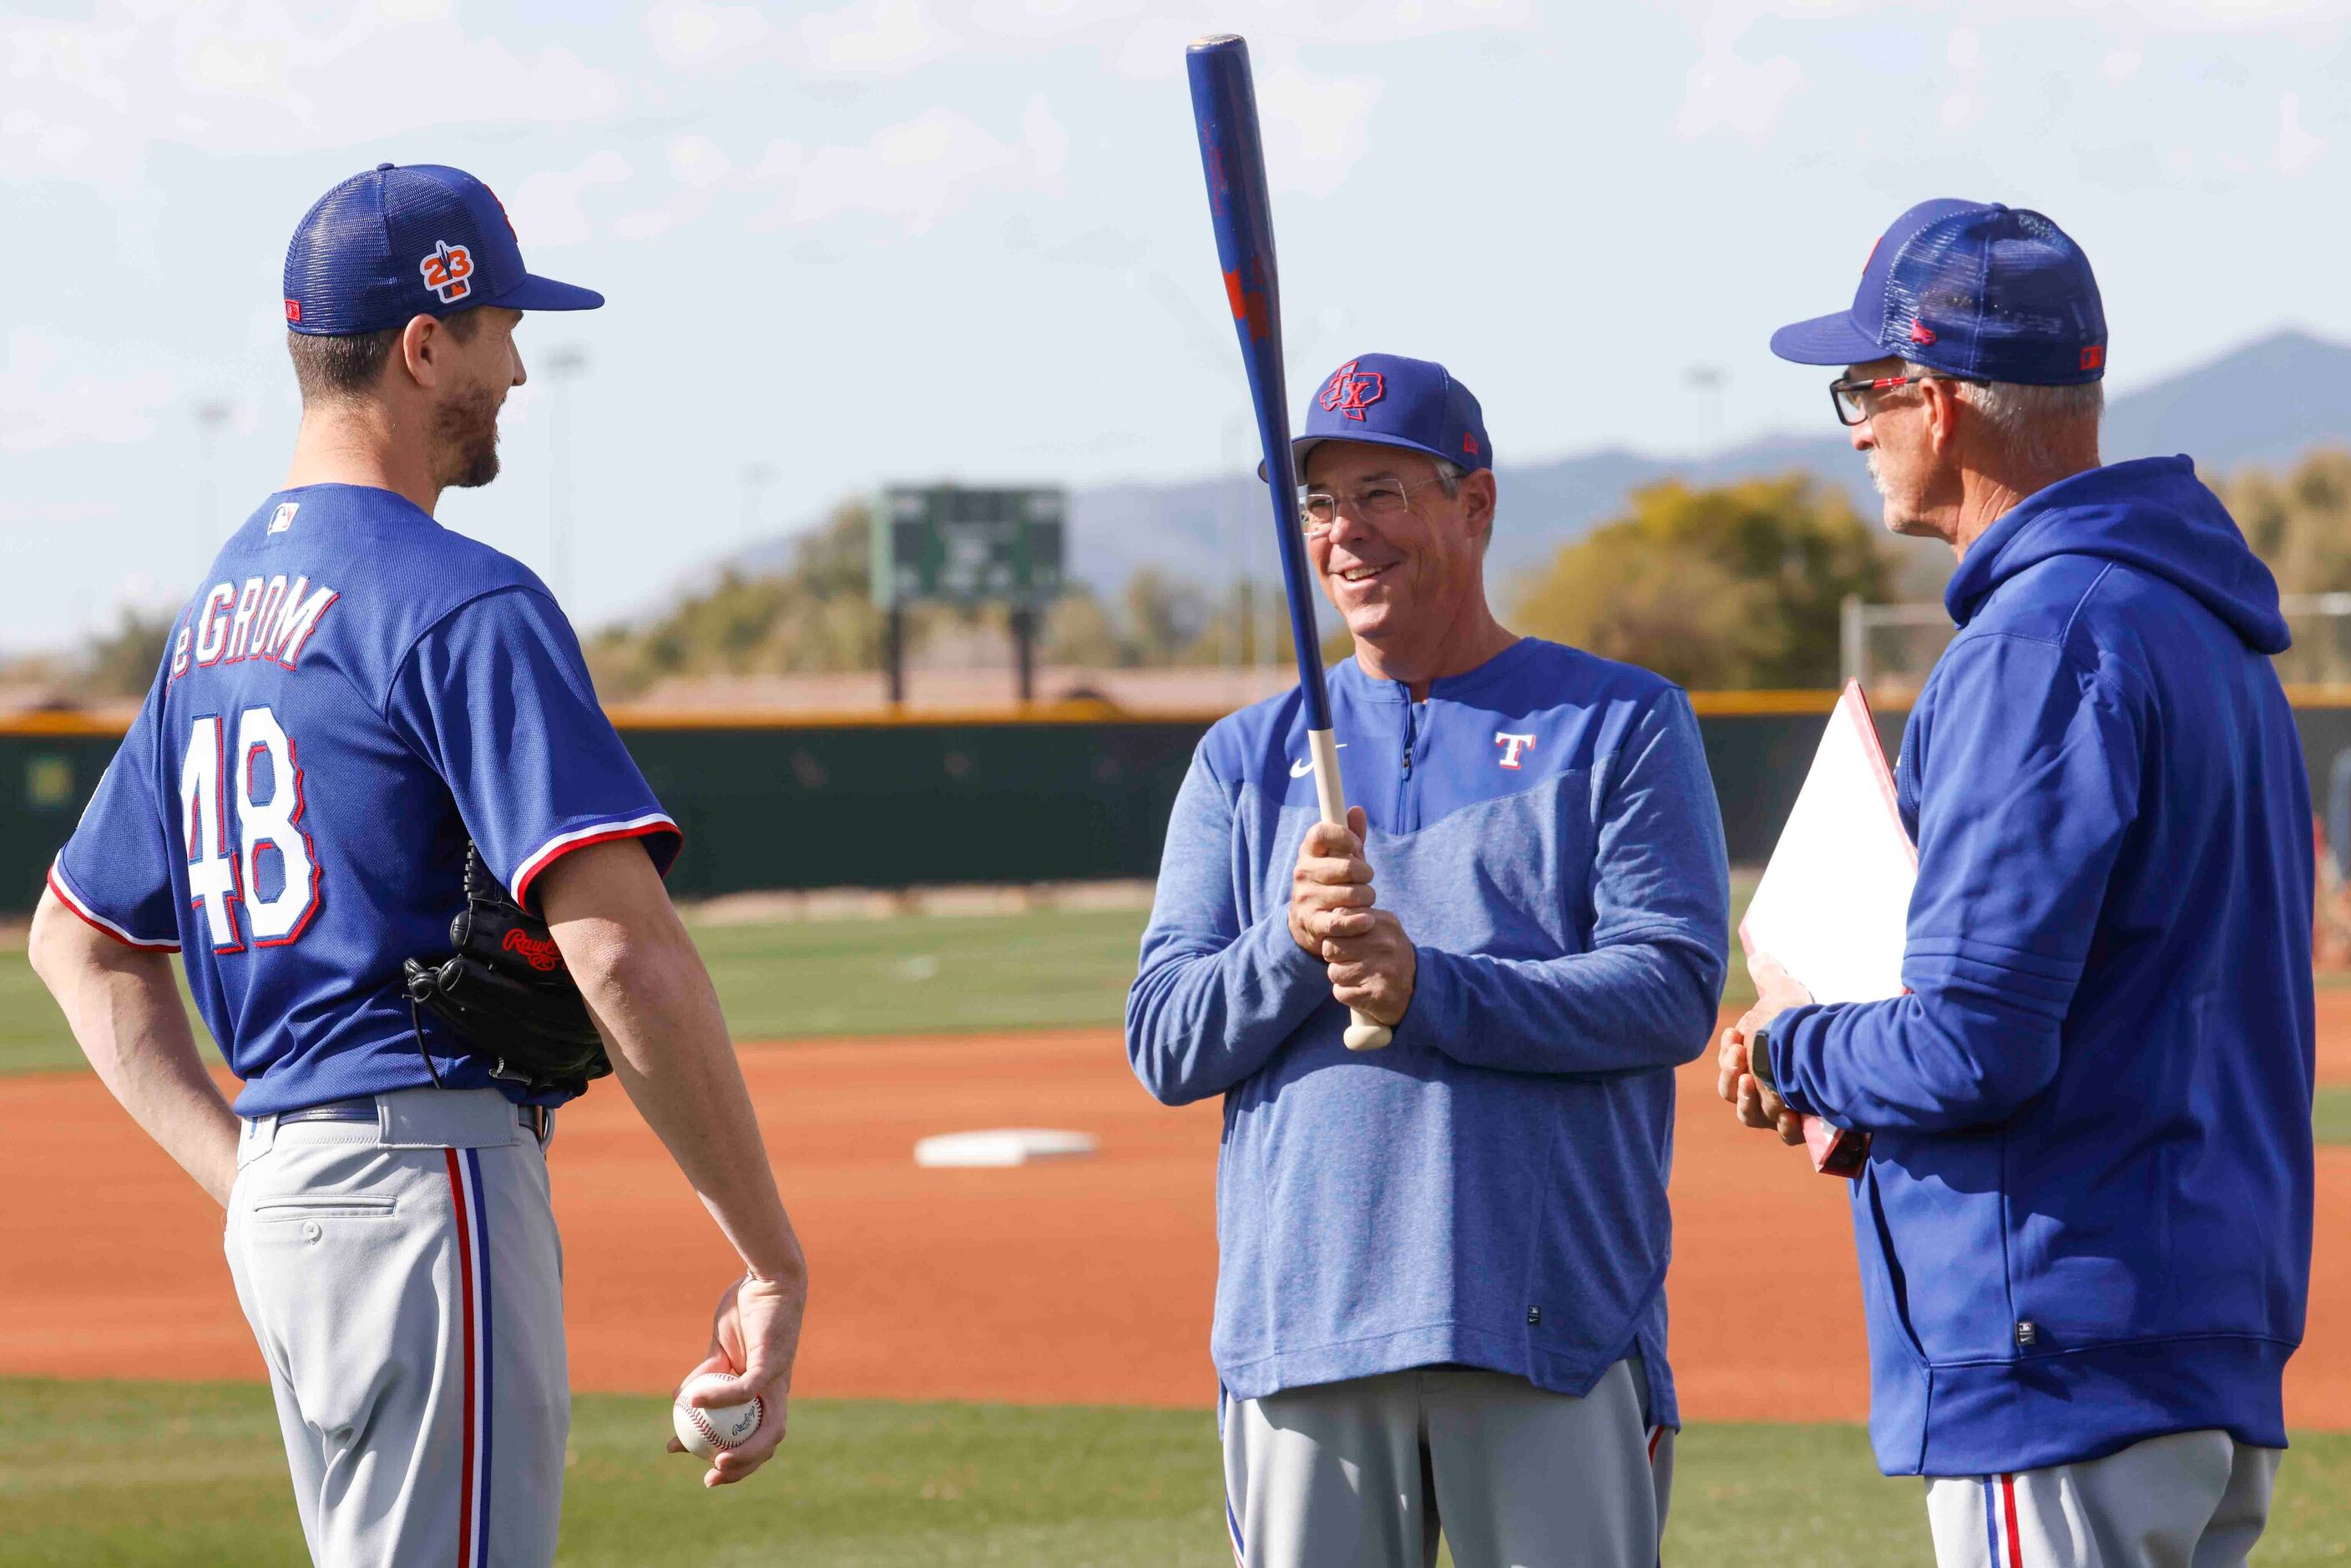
x,y
359,1110
537,1118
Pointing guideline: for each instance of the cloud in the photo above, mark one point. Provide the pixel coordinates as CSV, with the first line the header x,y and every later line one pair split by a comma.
x,y
2297,149
546,207
689,35
885,38
1316,128
1048,144
92,101
914,173
1726,91
56,392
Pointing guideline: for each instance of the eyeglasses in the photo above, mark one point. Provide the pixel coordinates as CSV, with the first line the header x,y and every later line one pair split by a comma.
x,y
1847,393
1379,500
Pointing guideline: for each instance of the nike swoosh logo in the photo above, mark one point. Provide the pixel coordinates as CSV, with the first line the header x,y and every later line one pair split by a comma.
x,y
1300,769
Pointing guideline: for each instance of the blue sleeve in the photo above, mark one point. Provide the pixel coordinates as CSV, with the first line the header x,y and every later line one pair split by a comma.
x,y
1645,995
2028,780
116,869
495,696
1213,1000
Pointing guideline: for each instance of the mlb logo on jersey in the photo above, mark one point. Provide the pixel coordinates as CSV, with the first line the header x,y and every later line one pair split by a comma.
x,y
447,271
285,517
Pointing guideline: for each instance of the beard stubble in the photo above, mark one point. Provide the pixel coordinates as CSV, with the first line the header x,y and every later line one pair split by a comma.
x,y
466,429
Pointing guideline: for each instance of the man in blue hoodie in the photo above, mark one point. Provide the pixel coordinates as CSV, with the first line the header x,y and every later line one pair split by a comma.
x,y
2085,1225
1441,1298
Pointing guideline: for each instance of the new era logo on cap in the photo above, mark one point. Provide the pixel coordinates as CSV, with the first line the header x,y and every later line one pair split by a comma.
x,y
398,242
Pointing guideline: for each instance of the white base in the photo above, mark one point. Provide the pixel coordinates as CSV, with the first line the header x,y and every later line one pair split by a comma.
x,y
1002,1146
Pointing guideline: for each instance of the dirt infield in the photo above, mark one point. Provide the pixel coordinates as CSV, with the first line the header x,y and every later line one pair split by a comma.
x,y
1085,1281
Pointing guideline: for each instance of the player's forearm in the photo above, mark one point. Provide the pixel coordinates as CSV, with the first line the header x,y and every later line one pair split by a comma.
x,y
126,1015
654,1000
1628,1008
1964,1051
1202,1016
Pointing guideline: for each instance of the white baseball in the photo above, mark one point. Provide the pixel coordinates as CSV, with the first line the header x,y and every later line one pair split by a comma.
x,y
709,1432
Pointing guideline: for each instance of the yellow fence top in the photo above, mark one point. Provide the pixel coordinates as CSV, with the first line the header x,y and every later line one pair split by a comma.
x,y
112,722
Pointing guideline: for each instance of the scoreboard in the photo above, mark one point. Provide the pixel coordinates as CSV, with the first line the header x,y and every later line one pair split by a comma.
x,y
966,546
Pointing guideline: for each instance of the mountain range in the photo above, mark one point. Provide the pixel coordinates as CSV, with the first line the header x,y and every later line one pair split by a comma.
x,y
2266,401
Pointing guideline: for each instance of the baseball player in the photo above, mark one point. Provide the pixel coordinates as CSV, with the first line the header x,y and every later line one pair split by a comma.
x,y
354,696
2084,1224
1440,1304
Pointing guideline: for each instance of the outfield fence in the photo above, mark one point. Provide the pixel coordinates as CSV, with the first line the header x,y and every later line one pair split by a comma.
x,y
1048,793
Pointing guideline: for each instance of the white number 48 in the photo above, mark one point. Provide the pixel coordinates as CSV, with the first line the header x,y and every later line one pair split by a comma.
x,y
222,877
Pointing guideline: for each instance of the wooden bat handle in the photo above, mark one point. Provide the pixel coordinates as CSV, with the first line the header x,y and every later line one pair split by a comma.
x,y
1364,1032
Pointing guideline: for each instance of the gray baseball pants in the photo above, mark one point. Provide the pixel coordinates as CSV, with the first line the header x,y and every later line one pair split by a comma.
x,y
2191,1499
1367,1473
404,1279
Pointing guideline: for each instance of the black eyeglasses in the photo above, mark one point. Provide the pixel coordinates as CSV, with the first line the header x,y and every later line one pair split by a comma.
x,y
1847,393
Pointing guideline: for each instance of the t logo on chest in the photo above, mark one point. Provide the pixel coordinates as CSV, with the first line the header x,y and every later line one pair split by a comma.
x,y
1514,747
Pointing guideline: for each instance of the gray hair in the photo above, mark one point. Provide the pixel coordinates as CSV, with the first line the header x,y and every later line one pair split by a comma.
x,y
2036,422
1448,476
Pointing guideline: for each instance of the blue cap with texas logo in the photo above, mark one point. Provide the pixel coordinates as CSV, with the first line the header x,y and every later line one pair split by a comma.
x,y
416,240
1972,290
1390,401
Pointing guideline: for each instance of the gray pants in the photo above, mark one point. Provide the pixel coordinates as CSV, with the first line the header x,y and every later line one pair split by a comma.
x,y
1364,1474
2191,1500
404,1281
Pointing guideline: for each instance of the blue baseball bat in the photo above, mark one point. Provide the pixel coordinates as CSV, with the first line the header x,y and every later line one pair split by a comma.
x,y
1241,208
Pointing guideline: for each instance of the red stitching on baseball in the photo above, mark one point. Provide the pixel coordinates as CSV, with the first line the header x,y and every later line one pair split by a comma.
x,y
710,1433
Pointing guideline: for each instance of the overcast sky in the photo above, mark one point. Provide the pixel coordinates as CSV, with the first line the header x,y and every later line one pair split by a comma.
x,y
898,240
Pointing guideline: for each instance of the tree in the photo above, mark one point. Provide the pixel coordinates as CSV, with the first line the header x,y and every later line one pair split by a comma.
x,y
121,663
1078,632
1162,616
818,616
2299,522
1737,586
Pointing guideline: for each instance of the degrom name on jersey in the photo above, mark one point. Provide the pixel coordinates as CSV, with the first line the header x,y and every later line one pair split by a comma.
x,y
354,693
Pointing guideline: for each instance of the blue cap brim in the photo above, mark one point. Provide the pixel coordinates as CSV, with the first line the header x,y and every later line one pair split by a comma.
x,y
536,293
1827,340
1303,445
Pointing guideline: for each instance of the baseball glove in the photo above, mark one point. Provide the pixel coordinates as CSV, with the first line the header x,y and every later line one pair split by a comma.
x,y
507,994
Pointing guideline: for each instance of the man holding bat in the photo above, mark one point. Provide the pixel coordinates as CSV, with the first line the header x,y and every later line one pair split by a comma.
x,y
1440,1304
2085,1223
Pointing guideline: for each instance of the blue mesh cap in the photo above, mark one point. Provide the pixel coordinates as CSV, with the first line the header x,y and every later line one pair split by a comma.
x,y
423,240
1390,401
1970,289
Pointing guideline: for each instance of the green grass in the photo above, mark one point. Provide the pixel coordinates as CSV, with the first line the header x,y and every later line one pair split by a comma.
x,y
2330,1114
789,979
920,974
100,1473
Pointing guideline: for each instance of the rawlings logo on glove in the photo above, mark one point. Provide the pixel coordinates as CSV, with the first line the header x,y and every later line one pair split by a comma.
x,y
539,954
507,994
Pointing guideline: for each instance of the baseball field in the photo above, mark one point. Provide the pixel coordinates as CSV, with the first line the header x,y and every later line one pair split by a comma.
x,y
1001,1365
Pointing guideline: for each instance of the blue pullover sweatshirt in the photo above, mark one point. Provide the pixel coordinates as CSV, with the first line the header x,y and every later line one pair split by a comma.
x,y
2087,1215
1490,1189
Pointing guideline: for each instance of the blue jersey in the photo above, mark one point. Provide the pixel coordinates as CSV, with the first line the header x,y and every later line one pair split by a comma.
x,y
1490,1189
354,693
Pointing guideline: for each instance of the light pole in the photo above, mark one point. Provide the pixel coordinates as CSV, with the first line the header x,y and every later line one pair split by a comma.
x,y
757,476
211,414
1707,382
562,365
